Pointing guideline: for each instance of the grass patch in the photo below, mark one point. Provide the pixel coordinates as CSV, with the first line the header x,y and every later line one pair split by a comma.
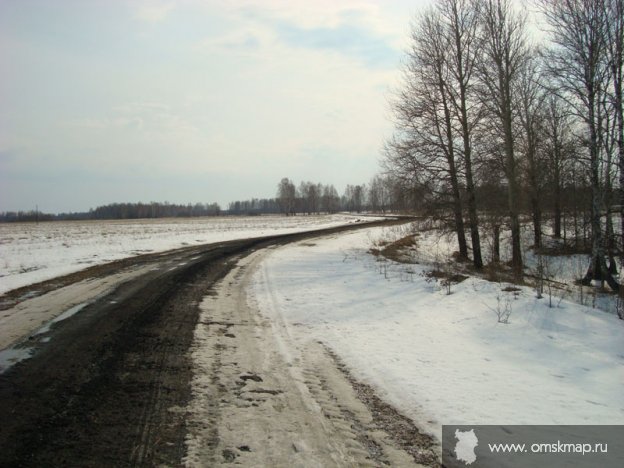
x,y
398,251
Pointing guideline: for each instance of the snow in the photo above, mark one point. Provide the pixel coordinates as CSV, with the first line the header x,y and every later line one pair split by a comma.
x,y
446,359
31,252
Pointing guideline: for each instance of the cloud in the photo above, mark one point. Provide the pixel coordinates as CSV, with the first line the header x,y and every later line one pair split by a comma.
x,y
253,89
143,116
356,30
241,40
154,13
347,39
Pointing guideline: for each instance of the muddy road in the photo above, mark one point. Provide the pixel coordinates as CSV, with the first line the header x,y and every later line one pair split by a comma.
x,y
165,363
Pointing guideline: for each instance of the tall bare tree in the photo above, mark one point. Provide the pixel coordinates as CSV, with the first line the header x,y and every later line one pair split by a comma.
x,y
530,110
286,196
579,63
504,50
330,201
424,147
461,26
558,149
615,41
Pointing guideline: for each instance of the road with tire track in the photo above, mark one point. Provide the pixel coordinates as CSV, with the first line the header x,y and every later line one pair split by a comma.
x,y
117,383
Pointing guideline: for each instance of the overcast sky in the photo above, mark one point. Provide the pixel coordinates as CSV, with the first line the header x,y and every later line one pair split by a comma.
x,y
192,101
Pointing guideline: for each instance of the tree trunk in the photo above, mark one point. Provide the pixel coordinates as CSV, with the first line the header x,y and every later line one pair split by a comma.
x,y
477,259
537,223
462,73
457,204
557,214
610,234
598,268
496,243
512,193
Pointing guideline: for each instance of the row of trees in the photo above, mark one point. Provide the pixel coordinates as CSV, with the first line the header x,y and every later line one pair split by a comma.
x,y
120,211
483,110
311,198
380,195
255,206
154,210
25,216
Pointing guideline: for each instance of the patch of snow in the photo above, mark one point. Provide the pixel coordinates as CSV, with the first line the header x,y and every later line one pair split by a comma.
x,y
446,359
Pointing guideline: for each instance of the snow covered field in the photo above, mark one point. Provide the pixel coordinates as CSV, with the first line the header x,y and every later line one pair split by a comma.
x,y
30,252
446,359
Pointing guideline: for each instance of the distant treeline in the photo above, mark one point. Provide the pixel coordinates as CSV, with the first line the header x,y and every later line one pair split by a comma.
x,y
255,206
381,194
119,211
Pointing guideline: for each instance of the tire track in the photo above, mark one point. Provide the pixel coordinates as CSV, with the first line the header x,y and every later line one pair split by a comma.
x,y
111,385
262,398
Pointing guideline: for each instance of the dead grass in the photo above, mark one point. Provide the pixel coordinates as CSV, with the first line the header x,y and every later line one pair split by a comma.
x,y
451,276
399,250
500,273
459,269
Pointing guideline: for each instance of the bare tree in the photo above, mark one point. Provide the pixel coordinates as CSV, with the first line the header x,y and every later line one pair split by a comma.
x,y
579,63
309,197
504,54
461,20
377,194
615,41
330,201
530,109
423,151
286,196
558,148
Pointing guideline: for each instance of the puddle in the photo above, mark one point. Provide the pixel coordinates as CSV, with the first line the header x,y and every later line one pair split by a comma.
x,y
64,316
10,357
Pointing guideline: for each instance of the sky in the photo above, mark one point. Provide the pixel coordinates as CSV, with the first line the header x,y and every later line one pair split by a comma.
x,y
106,101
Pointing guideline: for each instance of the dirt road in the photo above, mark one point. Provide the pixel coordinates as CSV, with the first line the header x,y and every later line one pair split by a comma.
x,y
165,363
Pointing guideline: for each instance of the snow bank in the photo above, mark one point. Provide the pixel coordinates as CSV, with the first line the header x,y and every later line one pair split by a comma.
x,y
446,359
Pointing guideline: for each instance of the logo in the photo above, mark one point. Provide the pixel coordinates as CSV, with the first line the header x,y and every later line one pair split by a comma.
x,y
465,447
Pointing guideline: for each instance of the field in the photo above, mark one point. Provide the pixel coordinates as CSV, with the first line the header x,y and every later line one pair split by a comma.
x,y
31,252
